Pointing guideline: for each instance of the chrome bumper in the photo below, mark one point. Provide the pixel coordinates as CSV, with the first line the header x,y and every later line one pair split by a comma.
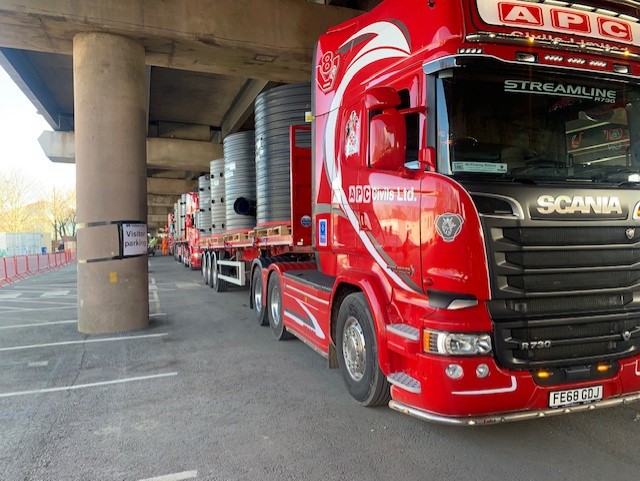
x,y
509,417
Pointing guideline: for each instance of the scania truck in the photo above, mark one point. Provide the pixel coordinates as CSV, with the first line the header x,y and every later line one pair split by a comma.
x,y
474,244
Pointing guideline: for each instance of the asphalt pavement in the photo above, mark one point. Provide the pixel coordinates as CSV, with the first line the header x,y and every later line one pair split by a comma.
x,y
206,394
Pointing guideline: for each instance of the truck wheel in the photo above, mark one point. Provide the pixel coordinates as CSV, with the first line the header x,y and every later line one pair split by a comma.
x,y
217,284
358,352
205,268
275,309
210,268
259,309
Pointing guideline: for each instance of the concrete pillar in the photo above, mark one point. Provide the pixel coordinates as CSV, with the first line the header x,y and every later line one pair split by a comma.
x,y
110,101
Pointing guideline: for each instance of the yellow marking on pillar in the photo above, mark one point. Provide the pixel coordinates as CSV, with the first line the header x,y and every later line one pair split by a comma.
x,y
113,277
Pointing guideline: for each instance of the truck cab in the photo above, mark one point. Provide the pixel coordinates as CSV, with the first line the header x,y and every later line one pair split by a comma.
x,y
476,173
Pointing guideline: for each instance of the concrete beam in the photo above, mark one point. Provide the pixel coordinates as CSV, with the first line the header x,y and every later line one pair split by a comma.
x,y
167,154
25,76
157,220
159,210
178,154
243,105
158,200
170,186
253,39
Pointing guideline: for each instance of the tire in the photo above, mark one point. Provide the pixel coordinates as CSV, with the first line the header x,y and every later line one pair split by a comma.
x,y
205,267
217,284
275,309
210,270
259,308
358,353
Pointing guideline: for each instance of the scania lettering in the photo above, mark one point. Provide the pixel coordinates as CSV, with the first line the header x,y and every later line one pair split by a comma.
x,y
563,204
470,250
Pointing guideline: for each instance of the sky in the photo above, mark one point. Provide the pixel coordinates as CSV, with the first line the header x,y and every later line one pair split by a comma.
x,y
20,127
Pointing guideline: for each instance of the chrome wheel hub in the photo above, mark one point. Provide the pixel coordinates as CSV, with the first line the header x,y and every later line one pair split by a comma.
x,y
275,305
257,293
353,349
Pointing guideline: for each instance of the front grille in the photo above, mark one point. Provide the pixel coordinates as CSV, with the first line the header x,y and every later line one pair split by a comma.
x,y
527,262
574,281
551,259
569,236
540,306
564,294
531,344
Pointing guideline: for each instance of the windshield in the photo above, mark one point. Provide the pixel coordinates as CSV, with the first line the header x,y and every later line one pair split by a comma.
x,y
509,125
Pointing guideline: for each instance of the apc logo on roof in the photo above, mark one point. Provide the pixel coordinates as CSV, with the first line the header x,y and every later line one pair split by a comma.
x,y
565,20
520,14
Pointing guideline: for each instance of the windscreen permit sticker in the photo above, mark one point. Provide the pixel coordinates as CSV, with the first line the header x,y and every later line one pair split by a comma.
x,y
480,167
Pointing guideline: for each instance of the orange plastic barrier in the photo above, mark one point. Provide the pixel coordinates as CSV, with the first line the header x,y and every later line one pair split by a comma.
x,y
18,267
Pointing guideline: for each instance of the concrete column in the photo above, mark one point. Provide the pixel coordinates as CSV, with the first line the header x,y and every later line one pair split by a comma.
x,y
110,100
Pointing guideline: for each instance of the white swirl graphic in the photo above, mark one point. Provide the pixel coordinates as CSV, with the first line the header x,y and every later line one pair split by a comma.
x,y
387,41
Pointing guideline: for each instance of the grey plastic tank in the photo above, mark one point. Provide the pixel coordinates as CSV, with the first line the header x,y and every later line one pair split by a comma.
x,y
218,209
275,111
239,177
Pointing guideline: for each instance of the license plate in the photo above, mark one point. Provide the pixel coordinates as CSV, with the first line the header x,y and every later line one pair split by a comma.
x,y
569,397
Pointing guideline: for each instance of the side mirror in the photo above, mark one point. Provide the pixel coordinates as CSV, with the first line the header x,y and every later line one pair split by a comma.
x,y
387,141
427,159
381,98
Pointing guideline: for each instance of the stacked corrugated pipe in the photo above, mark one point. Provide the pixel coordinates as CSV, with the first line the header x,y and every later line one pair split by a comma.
x,y
276,110
240,179
204,195
218,209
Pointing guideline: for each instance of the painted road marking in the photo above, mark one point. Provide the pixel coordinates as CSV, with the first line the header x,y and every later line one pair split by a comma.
x,y
187,285
158,314
38,324
17,310
174,476
10,295
86,341
55,294
84,386
38,364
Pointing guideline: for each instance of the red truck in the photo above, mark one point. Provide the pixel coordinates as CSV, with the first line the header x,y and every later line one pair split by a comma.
x,y
184,233
465,233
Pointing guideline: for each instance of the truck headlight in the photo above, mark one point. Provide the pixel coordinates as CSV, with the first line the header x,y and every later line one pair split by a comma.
x,y
456,344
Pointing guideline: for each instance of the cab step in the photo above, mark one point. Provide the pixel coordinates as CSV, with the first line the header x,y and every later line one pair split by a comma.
x,y
404,381
404,330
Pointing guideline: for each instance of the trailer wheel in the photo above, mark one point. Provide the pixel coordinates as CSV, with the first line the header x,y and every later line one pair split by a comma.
x,y
259,307
275,309
210,268
217,284
358,352
205,268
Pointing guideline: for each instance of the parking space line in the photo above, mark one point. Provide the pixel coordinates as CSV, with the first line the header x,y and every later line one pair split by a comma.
x,y
16,310
85,341
174,476
84,386
38,324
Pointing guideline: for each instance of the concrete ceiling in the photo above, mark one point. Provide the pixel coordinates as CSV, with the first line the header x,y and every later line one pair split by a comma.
x,y
208,60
